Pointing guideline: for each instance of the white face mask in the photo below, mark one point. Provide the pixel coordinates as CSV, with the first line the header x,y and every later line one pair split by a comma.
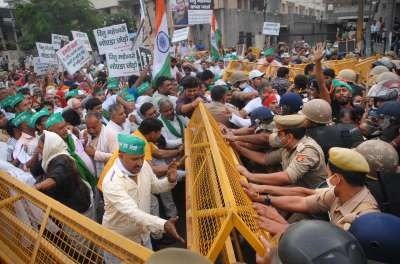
x,y
328,181
243,85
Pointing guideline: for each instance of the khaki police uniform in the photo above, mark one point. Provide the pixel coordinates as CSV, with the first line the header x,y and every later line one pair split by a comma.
x,y
342,215
305,162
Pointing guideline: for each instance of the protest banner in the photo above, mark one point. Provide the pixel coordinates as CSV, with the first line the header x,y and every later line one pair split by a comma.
x,y
179,11
122,63
59,41
46,52
271,28
180,34
83,38
73,56
42,68
112,38
200,12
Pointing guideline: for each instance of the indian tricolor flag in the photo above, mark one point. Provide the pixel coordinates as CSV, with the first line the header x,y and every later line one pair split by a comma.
x,y
161,60
215,38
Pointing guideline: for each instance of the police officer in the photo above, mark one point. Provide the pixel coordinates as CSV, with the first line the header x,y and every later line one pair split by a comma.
x,y
318,115
378,234
389,120
299,244
303,161
345,200
382,180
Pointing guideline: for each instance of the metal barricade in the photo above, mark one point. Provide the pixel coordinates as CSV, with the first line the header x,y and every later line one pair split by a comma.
x,y
35,228
216,203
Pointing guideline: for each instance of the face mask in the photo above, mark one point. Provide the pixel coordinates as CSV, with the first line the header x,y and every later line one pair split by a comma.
x,y
328,181
275,141
243,85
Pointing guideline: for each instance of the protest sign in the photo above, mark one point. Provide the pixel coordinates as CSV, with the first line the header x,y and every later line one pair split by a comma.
x,y
83,38
46,52
271,28
200,12
73,56
58,41
42,68
180,34
179,11
112,38
122,63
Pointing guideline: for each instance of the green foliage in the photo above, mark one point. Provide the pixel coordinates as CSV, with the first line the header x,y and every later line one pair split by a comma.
x,y
39,18
119,18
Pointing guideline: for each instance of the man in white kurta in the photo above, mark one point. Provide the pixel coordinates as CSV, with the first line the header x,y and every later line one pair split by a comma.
x,y
127,194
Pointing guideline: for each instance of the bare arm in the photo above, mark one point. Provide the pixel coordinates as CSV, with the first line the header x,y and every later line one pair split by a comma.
x,y
318,55
47,184
260,138
258,157
285,191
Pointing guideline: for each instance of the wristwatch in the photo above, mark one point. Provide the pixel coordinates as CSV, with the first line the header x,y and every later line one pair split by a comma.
x,y
267,200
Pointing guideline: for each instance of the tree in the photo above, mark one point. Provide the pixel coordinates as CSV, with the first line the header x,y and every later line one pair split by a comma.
x,y
39,18
119,18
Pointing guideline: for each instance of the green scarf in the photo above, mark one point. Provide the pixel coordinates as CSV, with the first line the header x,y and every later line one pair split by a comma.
x,y
84,172
171,128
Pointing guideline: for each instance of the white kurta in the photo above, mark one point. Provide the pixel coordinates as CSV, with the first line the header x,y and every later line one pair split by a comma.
x,y
127,203
111,132
102,153
172,140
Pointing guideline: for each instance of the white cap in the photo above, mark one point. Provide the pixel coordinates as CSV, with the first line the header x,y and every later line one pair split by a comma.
x,y
255,74
285,55
220,82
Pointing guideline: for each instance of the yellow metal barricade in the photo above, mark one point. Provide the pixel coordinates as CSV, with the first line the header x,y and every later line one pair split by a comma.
x,y
35,228
216,202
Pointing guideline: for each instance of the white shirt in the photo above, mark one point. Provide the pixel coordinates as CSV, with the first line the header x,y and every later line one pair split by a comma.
x,y
252,104
127,203
102,153
112,99
111,132
80,150
24,148
172,140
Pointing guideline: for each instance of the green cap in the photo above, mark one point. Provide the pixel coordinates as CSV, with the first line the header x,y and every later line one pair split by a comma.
x,y
130,144
54,119
43,112
144,87
112,83
73,93
337,83
23,117
269,52
5,102
16,99
129,97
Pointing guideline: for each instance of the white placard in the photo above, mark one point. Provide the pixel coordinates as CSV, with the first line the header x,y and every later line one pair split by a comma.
x,y
197,17
180,34
46,52
42,68
73,56
56,40
122,63
82,37
112,38
271,28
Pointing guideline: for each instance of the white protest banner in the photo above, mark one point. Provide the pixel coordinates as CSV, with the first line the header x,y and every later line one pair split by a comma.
x,y
271,28
122,63
46,52
42,68
180,34
83,37
57,40
112,38
200,12
73,56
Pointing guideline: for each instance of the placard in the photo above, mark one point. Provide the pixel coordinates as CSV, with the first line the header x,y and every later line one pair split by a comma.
x,y
112,38
271,28
83,38
200,12
46,52
144,57
58,41
180,34
122,63
42,68
73,56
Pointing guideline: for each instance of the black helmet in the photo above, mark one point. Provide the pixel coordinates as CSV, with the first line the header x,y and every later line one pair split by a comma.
x,y
379,234
390,109
315,241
